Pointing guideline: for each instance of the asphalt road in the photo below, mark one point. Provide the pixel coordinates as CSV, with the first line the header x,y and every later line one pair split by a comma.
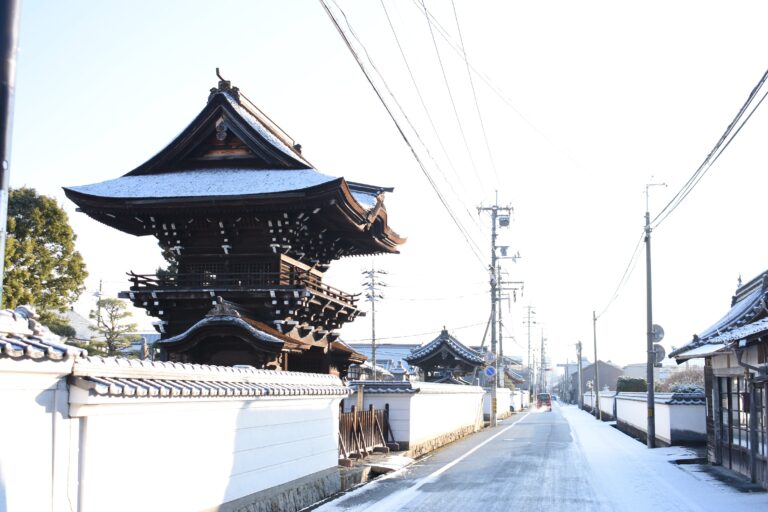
x,y
528,462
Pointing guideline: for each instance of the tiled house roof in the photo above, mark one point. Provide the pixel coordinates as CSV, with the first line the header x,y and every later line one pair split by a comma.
x,y
23,337
747,319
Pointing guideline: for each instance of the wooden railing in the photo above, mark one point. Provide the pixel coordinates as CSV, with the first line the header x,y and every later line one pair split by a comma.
x,y
230,280
364,432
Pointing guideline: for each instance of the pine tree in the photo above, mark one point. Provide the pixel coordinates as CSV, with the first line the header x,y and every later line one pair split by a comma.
x,y
114,334
42,267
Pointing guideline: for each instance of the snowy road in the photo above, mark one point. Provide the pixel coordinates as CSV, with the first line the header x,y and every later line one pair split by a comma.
x,y
560,460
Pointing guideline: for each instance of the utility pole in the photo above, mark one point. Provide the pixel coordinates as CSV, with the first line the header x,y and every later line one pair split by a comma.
x,y
651,437
500,215
542,378
9,18
530,368
598,412
372,295
580,400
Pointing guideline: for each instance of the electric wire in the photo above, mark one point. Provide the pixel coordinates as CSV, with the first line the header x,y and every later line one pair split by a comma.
x,y
625,276
722,144
429,116
450,96
714,154
474,95
496,90
427,333
472,245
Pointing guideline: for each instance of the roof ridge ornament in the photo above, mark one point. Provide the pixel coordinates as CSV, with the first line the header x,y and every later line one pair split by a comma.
x,y
224,86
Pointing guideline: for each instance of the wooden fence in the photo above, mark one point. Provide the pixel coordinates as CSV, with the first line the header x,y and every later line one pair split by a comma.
x,y
362,432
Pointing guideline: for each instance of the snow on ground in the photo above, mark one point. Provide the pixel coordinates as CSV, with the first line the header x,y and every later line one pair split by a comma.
x,y
636,478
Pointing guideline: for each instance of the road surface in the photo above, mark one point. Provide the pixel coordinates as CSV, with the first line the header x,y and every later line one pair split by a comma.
x,y
528,462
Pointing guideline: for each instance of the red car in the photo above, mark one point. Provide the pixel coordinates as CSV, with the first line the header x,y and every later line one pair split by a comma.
x,y
544,400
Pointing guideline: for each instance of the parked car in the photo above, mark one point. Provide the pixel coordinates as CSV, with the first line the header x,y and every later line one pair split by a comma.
x,y
544,400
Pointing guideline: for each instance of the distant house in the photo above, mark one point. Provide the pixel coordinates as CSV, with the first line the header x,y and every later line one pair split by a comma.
x,y
390,357
640,371
735,351
80,324
608,374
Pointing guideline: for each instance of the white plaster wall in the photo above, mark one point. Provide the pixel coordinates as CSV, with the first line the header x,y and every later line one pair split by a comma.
x,y
435,410
690,417
503,401
632,412
442,408
589,399
606,402
519,399
34,434
190,455
399,410
662,415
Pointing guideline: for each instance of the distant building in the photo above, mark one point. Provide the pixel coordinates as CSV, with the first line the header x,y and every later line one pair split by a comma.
x,y
608,374
640,371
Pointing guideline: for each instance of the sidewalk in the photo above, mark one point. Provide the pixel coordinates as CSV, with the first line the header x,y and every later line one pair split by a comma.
x,y
636,478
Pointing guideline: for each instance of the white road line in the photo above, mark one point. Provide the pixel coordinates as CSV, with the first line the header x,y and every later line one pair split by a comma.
x,y
397,500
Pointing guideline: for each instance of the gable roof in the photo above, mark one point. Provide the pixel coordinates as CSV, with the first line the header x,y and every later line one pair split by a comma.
x,y
746,320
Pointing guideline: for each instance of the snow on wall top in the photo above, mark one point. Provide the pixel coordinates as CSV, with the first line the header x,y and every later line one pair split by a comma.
x,y
205,183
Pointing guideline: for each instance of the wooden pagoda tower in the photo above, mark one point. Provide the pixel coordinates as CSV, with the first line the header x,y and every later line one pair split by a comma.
x,y
248,227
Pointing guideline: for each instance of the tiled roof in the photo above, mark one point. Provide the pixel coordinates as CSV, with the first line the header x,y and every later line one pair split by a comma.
x,y
445,340
747,317
400,387
23,337
665,398
120,377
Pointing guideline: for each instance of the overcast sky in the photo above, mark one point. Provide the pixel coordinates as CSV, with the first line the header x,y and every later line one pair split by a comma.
x,y
576,107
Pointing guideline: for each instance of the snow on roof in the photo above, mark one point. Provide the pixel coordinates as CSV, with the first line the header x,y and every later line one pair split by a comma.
x,y
258,125
206,183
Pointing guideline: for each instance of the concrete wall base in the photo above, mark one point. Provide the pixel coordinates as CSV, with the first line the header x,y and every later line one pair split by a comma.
x,y
416,450
288,497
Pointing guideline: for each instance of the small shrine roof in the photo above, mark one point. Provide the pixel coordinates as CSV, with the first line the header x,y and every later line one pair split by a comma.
x,y
747,318
447,341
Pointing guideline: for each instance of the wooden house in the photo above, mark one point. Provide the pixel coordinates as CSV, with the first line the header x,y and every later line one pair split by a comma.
x,y
735,352
248,228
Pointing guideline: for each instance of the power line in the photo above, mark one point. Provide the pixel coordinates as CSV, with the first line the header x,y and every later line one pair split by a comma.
x,y
450,96
714,154
474,94
429,116
472,245
416,334
625,276
496,90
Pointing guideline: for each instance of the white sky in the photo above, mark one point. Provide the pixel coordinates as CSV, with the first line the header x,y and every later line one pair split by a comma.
x,y
605,97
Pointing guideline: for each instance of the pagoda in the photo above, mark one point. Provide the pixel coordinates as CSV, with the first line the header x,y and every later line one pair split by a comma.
x,y
248,228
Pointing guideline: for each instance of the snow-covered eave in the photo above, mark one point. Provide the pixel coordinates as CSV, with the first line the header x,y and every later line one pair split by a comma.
x,y
745,318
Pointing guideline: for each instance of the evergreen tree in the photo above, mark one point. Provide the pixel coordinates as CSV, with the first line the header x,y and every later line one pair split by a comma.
x,y
114,335
42,267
